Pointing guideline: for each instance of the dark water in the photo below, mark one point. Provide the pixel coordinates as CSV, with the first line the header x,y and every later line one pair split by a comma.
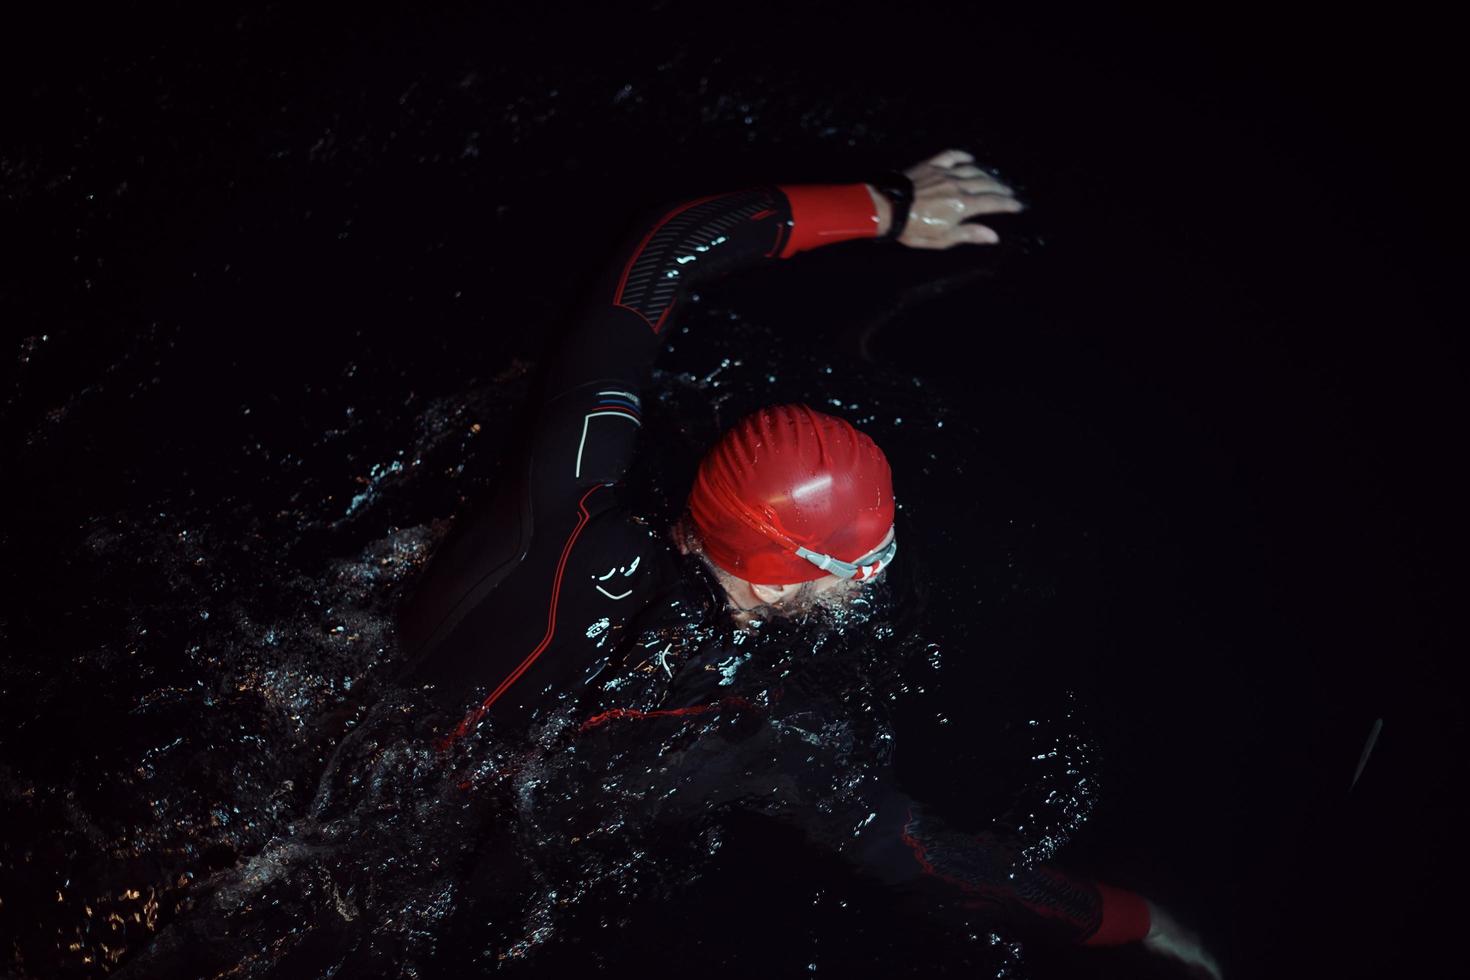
x,y
1174,464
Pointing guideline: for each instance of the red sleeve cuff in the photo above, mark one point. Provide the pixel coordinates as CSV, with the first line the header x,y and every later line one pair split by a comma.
x,y
822,214
1125,918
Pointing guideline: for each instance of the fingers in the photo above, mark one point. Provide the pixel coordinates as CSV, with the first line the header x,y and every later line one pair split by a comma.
x,y
966,234
950,158
951,205
982,185
968,170
973,204
974,234
1212,965
958,163
968,173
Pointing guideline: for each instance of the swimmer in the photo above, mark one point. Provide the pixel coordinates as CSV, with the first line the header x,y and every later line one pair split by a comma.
x,y
544,586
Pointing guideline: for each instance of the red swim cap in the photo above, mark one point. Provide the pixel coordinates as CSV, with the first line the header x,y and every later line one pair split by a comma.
x,y
789,477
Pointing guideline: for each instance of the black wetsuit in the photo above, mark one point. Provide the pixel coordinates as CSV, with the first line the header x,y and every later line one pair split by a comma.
x,y
553,590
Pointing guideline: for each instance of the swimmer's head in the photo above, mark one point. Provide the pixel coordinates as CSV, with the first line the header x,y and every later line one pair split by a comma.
x,y
794,509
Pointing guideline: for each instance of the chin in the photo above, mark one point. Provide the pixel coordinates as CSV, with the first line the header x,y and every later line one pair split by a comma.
x,y
843,606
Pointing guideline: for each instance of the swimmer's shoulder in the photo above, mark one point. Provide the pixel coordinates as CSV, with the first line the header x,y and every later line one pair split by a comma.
x,y
623,559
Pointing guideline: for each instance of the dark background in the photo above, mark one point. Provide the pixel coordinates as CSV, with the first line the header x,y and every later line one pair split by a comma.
x,y
1223,332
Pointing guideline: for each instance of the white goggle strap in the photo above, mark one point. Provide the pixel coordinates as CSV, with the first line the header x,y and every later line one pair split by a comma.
x,y
864,568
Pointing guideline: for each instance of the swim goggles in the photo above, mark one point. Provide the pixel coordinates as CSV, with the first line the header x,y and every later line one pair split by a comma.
x,y
861,570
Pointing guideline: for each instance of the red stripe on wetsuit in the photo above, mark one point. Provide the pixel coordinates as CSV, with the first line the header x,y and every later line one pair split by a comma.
x,y
473,718
637,714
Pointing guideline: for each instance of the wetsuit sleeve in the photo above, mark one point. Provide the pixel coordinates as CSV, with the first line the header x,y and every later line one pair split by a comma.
x,y
963,877
787,770
596,379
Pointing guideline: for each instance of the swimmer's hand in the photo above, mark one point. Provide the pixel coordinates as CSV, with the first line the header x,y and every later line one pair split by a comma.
x,y
1168,938
949,190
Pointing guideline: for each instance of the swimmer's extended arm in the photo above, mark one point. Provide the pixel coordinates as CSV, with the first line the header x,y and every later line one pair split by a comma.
x,y
942,874
957,873
961,875
595,380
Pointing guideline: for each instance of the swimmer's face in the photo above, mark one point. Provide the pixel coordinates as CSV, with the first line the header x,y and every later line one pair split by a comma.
x,y
829,593
831,603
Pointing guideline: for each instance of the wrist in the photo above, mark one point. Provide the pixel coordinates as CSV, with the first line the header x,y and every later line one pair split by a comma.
x,y
883,208
896,191
1156,920
822,214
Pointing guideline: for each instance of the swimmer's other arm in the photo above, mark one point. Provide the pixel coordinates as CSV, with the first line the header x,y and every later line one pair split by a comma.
x,y
959,876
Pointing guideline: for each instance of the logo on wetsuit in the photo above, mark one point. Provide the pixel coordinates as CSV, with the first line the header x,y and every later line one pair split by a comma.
x,y
614,583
